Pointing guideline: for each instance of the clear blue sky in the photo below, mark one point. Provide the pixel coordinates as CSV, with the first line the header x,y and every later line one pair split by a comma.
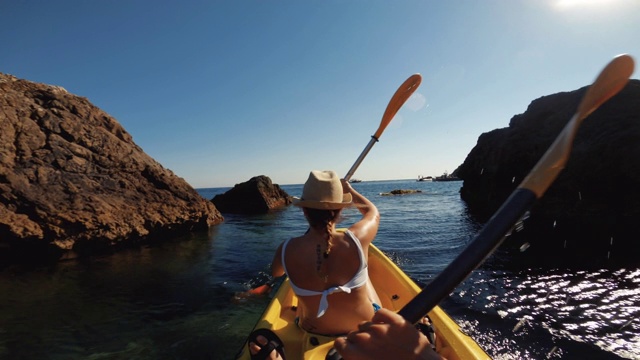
x,y
221,91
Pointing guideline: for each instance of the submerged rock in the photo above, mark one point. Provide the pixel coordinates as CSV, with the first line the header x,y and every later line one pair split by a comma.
x,y
590,213
400,192
256,196
72,181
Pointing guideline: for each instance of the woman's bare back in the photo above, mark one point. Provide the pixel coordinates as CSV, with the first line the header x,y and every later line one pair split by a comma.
x,y
309,269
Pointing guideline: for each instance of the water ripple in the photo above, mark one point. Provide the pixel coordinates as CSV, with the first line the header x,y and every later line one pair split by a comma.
x,y
598,308
178,300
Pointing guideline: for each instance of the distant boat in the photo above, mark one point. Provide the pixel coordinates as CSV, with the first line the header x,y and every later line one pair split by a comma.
x,y
424,178
355,180
446,177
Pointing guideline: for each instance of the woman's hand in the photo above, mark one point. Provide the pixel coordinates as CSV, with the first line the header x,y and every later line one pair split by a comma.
x,y
366,228
346,186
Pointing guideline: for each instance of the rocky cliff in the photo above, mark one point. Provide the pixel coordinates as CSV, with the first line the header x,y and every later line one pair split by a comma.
x,y
590,213
72,181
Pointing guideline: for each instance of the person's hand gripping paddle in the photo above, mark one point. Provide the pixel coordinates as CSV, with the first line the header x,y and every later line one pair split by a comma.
x,y
610,81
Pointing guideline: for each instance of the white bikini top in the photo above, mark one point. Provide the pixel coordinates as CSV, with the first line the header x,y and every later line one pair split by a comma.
x,y
358,280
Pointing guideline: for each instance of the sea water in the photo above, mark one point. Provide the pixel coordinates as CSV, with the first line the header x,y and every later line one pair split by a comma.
x,y
179,299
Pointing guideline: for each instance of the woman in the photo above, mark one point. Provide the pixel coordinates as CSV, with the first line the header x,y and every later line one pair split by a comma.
x,y
327,268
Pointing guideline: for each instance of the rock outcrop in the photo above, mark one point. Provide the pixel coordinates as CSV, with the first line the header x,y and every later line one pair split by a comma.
x,y
400,192
72,181
256,196
590,213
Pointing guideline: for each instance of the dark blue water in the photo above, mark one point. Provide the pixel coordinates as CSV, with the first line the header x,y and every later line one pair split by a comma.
x,y
178,300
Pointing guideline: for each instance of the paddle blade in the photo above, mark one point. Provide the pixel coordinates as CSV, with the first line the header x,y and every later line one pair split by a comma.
x,y
260,290
397,100
611,80
401,96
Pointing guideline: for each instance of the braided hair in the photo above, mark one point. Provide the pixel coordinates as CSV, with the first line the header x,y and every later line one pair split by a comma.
x,y
323,220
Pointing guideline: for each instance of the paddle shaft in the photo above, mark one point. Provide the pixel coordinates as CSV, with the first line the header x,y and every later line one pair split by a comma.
x,y
364,153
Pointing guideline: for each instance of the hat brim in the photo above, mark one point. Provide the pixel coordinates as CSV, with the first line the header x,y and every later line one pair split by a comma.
x,y
325,205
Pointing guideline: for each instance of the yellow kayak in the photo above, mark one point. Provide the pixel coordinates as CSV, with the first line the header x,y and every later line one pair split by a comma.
x,y
394,288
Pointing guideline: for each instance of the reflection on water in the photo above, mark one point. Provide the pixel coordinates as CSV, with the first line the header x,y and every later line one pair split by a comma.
x,y
167,302
572,313
177,300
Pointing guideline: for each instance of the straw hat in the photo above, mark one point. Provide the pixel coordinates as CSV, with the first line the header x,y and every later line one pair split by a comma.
x,y
323,190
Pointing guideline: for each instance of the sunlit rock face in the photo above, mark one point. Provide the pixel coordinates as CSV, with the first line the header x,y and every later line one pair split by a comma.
x,y
590,215
258,195
73,182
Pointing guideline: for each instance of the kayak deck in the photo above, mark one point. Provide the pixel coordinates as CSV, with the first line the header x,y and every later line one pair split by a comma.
x,y
394,288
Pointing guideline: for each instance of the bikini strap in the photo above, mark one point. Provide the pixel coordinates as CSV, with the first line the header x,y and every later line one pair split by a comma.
x,y
284,246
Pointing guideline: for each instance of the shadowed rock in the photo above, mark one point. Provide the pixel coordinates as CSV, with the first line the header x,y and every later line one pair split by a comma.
x,y
73,180
400,192
256,196
590,213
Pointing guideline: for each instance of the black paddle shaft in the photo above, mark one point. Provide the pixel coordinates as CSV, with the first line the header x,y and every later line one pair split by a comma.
x,y
483,245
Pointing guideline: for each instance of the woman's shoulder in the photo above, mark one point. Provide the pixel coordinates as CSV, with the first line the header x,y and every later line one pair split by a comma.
x,y
352,232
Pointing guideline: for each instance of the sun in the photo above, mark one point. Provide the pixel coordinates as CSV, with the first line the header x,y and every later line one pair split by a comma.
x,y
582,4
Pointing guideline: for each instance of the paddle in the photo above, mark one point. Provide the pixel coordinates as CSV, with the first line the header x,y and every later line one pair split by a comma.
x,y
398,99
610,81
260,290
